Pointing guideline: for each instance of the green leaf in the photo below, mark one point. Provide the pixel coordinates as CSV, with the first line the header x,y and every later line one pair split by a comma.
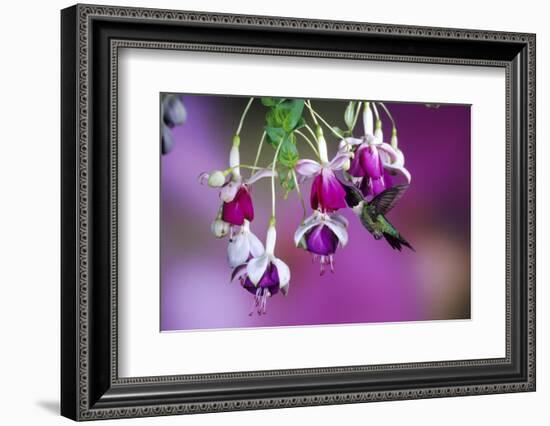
x,y
292,114
275,135
287,180
269,102
286,114
288,153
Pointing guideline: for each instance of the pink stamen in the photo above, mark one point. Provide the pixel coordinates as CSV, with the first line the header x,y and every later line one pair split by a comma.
x,y
259,304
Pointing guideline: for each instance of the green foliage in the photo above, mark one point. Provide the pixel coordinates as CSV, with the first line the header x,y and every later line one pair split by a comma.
x,y
269,102
282,119
288,153
285,114
286,179
275,135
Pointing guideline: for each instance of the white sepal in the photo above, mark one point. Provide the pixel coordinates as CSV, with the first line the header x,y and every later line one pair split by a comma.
x,y
339,161
256,246
309,223
368,119
259,175
339,230
234,160
238,249
270,240
308,168
283,271
228,192
256,267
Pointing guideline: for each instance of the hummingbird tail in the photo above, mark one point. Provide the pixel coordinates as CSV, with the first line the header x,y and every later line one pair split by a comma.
x,y
397,242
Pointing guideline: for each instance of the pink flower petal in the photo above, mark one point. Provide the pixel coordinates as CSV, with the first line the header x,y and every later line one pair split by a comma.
x,y
239,209
259,175
327,193
371,162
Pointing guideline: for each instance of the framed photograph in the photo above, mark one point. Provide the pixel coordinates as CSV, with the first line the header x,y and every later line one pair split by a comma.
x,y
264,212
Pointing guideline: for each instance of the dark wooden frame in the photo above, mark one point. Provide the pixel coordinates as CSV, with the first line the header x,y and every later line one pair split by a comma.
x,y
91,37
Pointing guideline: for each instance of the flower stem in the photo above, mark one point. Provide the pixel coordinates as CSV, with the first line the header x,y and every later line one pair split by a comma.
x,y
388,114
243,116
309,142
375,110
273,179
258,152
308,104
244,166
359,105
315,115
310,130
302,202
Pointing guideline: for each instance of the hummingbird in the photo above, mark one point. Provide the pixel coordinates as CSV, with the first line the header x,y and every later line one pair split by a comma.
x,y
372,214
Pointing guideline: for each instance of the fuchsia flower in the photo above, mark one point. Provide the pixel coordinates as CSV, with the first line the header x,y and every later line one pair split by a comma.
x,y
327,193
373,164
374,161
321,234
264,275
235,194
238,208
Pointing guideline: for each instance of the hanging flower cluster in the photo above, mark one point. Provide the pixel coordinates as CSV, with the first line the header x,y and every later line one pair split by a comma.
x,y
361,175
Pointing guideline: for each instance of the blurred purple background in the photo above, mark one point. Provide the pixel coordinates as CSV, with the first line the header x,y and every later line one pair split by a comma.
x,y
372,282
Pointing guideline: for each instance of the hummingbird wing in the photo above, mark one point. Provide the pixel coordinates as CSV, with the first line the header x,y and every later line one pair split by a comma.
x,y
386,200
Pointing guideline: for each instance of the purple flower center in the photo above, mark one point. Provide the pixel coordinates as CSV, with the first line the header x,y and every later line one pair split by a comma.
x,y
321,240
269,281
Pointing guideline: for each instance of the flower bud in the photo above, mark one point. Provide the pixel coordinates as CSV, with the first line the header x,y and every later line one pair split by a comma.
x,y
319,132
378,131
219,228
234,160
321,144
367,119
216,179
349,114
393,141
346,165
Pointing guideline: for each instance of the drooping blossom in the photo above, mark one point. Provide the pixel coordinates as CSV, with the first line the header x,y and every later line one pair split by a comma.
x,y
374,160
264,275
173,114
243,245
327,193
321,234
239,208
235,194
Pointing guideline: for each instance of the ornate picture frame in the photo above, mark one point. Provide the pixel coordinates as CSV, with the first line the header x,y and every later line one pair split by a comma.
x,y
91,38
